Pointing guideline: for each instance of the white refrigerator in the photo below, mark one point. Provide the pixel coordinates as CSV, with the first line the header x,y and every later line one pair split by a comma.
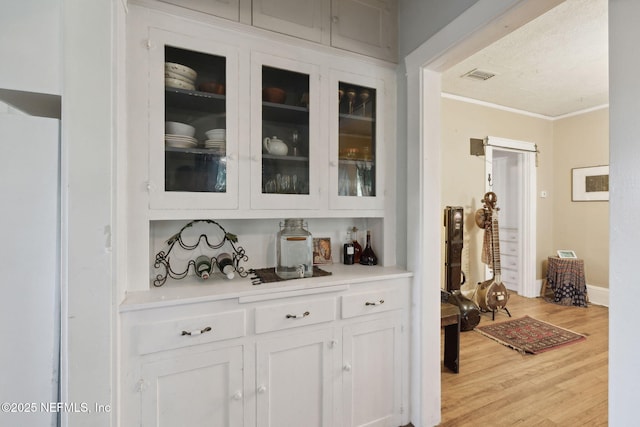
x,y
29,269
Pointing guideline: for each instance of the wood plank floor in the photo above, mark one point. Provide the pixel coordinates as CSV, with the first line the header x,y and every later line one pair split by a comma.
x,y
498,386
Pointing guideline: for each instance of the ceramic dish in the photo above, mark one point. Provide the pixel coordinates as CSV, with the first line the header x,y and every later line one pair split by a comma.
x,y
177,128
183,70
170,75
178,84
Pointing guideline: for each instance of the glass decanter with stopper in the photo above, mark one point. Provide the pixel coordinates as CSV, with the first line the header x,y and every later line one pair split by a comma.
x,y
294,249
368,257
357,248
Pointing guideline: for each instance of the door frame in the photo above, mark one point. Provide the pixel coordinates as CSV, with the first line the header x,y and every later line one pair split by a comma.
x,y
483,23
527,230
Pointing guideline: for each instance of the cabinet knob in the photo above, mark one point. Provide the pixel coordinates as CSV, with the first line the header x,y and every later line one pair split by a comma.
x,y
231,157
335,19
333,164
254,158
262,389
347,367
237,395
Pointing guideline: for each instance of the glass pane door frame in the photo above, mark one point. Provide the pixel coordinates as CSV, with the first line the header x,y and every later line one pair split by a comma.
x,y
158,197
259,199
380,151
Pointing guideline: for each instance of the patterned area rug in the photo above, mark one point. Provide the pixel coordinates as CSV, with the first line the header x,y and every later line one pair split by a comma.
x,y
528,335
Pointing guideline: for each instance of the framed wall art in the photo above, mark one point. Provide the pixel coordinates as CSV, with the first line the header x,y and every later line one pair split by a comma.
x,y
322,251
590,184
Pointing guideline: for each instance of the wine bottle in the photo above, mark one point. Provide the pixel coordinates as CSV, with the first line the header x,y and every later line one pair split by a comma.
x,y
225,264
368,257
203,267
357,249
348,250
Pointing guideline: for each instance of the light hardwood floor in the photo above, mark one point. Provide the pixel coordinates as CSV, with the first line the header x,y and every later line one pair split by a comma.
x,y
498,386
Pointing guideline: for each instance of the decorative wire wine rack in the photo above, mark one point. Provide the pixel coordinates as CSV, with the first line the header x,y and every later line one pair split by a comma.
x,y
163,258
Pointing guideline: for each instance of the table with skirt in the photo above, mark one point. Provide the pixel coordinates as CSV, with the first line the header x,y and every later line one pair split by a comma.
x,y
565,276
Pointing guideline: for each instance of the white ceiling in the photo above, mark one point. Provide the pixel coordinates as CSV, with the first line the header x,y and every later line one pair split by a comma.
x,y
555,65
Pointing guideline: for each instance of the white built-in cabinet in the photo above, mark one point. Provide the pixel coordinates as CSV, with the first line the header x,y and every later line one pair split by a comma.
x,y
228,9
206,385
335,122
321,351
292,382
367,27
335,355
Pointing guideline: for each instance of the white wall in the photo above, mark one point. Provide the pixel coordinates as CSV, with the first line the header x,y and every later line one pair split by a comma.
x,y
30,46
624,205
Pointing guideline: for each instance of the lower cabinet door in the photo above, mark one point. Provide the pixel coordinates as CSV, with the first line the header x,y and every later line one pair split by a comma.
x,y
293,381
371,373
200,389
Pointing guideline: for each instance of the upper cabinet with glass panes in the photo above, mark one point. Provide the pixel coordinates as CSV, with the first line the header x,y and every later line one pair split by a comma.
x,y
235,124
193,159
357,133
285,152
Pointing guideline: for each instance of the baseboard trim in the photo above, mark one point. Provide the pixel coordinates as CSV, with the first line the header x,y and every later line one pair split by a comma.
x,y
598,295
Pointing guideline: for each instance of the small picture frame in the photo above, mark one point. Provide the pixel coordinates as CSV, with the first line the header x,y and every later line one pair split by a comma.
x,y
322,251
566,253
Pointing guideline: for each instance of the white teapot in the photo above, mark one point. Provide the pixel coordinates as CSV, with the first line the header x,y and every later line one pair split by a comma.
x,y
275,146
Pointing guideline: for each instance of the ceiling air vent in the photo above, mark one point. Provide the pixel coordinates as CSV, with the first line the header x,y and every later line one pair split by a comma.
x,y
476,74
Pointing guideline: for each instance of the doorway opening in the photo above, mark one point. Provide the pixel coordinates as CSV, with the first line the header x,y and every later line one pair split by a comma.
x,y
510,172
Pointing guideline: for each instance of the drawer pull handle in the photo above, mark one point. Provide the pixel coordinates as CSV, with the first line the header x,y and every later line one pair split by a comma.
x,y
197,331
298,316
374,303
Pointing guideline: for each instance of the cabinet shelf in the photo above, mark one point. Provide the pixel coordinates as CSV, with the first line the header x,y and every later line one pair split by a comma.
x,y
367,162
285,113
195,150
285,158
194,100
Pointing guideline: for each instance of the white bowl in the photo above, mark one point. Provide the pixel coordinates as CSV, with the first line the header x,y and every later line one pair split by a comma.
x,y
183,70
216,133
170,75
178,84
177,128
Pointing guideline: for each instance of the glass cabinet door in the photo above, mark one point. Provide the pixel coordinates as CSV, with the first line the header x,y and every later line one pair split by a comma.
x,y
195,167
284,134
356,145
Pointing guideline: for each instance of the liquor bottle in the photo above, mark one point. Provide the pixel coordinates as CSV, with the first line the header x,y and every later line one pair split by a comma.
x,y
225,264
348,251
203,267
357,249
368,257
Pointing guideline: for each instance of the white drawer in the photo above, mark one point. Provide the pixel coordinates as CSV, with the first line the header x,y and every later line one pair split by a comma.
x,y
177,333
509,248
370,302
510,276
508,262
509,234
291,315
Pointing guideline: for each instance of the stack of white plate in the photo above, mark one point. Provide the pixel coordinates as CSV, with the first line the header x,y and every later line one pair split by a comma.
x,y
216,140
179,76
180,141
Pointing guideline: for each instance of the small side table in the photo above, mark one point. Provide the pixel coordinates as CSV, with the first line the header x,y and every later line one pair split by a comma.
x,y
565,276
450,321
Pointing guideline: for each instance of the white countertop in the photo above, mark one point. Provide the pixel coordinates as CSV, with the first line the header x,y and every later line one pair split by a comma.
x,y
191,290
